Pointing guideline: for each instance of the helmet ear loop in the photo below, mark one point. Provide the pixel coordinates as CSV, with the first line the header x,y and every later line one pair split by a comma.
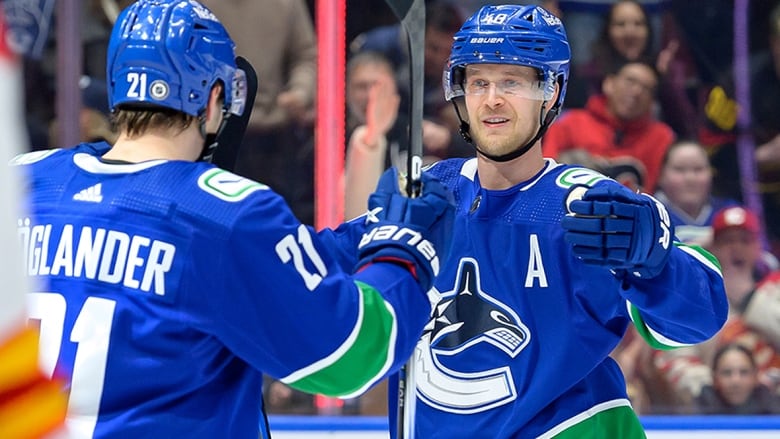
x,y
546,119
464,129
546,116
211,140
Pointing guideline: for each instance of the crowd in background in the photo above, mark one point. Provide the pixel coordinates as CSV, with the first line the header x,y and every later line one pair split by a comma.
x,y
651,102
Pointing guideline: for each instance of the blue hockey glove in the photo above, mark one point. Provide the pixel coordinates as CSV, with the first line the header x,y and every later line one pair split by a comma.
x,y
610,226
413,232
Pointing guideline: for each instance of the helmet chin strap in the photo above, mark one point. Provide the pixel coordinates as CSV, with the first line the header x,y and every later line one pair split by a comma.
x,y
210,140
544,122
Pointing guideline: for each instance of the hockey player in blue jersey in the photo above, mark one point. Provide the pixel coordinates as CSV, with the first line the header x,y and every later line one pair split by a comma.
x,y
550,263
168,285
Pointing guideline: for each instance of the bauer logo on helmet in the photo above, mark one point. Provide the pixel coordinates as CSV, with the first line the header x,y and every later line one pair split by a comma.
x,y
486,40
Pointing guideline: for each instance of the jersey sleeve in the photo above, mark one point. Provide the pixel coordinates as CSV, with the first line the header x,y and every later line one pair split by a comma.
x,y
686,304
286,302
343,242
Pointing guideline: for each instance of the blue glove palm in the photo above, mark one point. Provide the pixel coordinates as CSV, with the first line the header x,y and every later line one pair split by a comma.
x,y
415,232
610,226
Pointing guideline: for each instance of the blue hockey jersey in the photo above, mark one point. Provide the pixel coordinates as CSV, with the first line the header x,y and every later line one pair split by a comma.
x,y
166,287
518,345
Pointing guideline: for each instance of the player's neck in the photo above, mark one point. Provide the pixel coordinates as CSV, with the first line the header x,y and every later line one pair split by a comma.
x,y
503,175
186,145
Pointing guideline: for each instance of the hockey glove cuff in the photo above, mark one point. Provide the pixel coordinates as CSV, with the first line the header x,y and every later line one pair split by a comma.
x,y
610,226
413,232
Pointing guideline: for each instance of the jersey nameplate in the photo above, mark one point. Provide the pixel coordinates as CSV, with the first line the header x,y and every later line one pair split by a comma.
x,y
110,256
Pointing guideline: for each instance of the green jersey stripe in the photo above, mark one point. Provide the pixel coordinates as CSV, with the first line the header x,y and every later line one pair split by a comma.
x,y
367,353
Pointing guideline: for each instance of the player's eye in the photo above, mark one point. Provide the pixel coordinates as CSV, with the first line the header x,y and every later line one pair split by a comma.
x,y
510,86
477,86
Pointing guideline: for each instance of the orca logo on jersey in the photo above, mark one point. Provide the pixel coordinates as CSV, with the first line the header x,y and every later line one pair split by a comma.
x,y
406,236
466,319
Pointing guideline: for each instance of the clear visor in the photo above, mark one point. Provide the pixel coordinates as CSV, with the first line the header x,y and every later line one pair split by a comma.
x,y
476,82
238,99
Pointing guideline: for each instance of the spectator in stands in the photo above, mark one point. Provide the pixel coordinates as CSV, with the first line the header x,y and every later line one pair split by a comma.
x,y
94,122
378,137
277,37
370,72
647,388
721,132
628,36
685,188
442,19
737,246
754,308
625,35
584,20
735,388
616,128
32,30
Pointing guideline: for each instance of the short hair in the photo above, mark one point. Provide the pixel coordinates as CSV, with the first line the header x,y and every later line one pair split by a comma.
x,y
680,143
135,120
602,46
617,65
368,57
733,347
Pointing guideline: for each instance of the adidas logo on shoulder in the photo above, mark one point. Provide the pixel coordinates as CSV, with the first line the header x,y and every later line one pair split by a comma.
x,y
92,194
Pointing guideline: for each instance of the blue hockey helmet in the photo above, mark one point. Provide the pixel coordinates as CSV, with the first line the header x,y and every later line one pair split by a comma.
x,y
169,53
511,34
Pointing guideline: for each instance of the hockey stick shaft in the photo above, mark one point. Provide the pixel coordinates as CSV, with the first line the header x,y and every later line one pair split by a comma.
x,y
411,13
230,138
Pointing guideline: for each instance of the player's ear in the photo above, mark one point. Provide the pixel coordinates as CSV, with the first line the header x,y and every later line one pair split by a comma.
x,y
548,104
216,99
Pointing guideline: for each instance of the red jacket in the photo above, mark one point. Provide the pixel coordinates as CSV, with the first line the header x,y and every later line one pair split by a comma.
x,y
599,133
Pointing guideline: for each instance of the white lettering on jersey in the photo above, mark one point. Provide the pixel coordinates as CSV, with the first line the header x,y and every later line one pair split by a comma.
x,y
535,265
109,256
